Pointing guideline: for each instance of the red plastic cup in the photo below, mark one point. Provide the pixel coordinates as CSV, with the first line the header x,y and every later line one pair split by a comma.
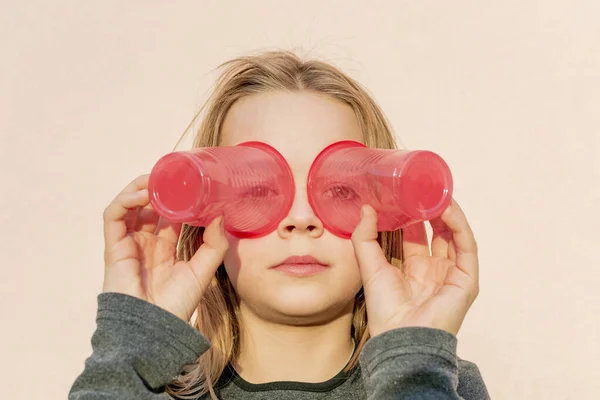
x,y
404,186
250,184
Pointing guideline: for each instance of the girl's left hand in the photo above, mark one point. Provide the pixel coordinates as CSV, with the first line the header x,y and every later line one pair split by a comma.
x,y
434,289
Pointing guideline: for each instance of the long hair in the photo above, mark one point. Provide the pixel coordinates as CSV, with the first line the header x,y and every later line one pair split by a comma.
x,y
217,313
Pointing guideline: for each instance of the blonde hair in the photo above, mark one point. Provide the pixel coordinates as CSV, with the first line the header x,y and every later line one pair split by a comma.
x,y
217,313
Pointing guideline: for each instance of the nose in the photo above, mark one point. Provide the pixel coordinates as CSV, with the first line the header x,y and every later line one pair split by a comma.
x,y
301,219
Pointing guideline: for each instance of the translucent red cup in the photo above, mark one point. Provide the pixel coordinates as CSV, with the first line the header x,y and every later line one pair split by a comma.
x,y
250,184
403,186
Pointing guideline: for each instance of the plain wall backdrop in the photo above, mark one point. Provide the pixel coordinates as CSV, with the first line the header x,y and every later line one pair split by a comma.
x,y
93,93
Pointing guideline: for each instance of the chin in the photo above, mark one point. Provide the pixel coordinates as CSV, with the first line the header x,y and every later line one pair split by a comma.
x,y
302,305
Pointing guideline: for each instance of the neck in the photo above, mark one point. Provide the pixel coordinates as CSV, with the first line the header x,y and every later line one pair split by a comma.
x,y
271,352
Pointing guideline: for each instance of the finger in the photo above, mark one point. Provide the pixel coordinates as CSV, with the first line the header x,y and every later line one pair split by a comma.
x,y
139,183
452,251
115,227
368,252
209,256
137,215
414,240
113,232
168,230
441,237
463,240
147,219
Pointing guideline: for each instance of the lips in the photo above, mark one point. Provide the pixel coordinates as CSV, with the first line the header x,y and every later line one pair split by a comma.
x,y
301,266
300,260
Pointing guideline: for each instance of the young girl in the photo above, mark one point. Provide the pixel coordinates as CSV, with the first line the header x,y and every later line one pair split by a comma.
x,y
379,321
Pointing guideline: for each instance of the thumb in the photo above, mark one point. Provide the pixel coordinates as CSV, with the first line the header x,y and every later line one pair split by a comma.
x,y
368,252
209,256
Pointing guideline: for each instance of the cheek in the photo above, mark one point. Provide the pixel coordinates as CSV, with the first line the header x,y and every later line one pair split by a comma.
x,y
348,265
253,252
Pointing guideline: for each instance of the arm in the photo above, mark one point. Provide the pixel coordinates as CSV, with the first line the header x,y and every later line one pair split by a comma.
x,y
417,363
138,348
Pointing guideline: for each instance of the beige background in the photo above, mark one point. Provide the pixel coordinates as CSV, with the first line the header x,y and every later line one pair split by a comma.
x,y
93,93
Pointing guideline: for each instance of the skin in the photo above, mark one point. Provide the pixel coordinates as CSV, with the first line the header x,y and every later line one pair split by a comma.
x,y
308,319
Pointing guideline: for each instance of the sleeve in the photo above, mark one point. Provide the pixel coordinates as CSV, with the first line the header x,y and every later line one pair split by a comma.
x,y
470,382
418,363
138,348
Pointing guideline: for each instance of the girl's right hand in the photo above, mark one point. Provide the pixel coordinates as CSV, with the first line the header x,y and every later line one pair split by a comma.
x,y
140,254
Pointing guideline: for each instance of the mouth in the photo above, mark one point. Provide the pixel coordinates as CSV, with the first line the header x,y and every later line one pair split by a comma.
x,y
301,266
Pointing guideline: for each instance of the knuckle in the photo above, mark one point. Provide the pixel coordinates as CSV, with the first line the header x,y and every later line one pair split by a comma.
x,y
118,200
106,213
142,178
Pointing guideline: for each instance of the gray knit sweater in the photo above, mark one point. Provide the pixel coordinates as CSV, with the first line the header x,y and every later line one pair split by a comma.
x,y
138,348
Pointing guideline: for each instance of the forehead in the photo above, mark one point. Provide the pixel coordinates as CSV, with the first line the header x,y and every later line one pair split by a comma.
x,y
298,124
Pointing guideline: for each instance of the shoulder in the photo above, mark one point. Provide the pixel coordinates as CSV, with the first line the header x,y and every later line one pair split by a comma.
x,y
470,381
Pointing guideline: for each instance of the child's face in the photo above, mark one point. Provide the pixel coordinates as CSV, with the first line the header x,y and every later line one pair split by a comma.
x,y
299,125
